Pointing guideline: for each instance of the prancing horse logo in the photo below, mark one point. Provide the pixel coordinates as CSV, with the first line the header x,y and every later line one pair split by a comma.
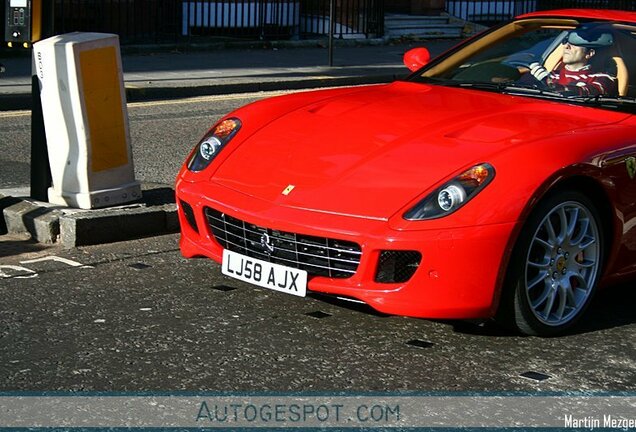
x,y
267,244
288,189
630,163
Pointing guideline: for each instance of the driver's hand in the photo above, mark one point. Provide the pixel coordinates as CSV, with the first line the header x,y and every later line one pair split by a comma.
x,y
539,72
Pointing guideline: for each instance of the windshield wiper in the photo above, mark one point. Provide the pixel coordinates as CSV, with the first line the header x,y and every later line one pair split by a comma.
x,y
512,88
503,87
469,84
525,90
603,100
516,89
612,102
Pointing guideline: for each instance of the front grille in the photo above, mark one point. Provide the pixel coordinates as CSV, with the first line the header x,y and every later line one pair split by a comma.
x,y
319,256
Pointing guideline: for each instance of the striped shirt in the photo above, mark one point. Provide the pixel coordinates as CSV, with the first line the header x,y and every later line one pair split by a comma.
x,y
584,82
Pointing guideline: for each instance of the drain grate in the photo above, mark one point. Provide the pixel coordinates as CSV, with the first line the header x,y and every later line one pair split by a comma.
x,y
420,343
535,376
318,314
223,288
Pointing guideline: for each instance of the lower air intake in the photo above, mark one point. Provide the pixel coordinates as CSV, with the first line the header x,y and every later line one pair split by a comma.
x,y
397,266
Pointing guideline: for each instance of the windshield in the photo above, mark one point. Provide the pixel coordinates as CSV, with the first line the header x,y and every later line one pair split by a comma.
x,y
561,59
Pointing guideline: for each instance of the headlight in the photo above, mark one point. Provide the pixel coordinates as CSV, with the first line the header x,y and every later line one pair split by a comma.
x,y
212,143
452,195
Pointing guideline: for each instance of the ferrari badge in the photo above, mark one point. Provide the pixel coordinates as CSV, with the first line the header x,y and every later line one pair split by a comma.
x,y
630,163
290,188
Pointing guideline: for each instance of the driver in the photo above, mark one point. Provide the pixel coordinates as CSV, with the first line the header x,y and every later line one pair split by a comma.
x,y
576,75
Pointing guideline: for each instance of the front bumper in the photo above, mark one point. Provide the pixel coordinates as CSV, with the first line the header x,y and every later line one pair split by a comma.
x,y
458,276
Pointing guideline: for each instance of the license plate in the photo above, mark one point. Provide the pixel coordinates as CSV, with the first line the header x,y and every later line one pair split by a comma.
x,y
265,274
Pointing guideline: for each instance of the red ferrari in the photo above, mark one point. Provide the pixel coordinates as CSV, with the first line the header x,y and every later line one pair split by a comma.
x,y
496,181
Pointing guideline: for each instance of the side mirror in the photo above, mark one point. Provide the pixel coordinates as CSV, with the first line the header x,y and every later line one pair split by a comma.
x,y
416,58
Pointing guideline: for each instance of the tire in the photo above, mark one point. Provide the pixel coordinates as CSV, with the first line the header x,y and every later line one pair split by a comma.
x,y
555,266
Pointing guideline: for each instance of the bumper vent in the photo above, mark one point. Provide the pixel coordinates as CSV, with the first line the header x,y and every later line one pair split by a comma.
x,y
319,256
397,266
188,212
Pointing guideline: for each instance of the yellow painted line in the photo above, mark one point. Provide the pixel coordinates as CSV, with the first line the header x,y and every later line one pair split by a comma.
x,y
211,98
13,114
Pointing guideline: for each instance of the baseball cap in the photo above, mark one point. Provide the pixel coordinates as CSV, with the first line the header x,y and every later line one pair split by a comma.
x,y
589,37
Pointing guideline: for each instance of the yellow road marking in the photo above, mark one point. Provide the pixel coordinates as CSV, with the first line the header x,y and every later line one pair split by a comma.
x,y
199,99
11,114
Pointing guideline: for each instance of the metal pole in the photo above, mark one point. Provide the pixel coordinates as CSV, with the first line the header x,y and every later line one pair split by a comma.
x,y
40,170
332,27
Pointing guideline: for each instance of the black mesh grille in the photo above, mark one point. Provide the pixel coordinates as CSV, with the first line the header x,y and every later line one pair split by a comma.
x,y
188,212
319,256
397,266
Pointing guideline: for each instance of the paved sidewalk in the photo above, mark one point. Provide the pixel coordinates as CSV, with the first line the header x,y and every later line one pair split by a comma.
x,y
220,71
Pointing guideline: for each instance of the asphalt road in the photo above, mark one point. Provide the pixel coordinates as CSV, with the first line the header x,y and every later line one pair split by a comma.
x,y
136,316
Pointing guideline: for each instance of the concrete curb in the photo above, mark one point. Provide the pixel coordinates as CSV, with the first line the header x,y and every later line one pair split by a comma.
x,y
23,216
156,214
112,225
153,93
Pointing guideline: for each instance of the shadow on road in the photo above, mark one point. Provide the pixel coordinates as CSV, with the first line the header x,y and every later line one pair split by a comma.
x,y
611,307
9,247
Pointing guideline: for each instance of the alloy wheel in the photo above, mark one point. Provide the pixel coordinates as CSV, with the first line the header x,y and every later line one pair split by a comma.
x,y
562,263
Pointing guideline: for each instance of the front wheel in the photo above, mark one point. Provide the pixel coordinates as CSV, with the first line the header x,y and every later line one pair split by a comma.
x,y
555,266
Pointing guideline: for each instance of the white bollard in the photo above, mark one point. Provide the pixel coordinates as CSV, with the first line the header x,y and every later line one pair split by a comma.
x,y
86,120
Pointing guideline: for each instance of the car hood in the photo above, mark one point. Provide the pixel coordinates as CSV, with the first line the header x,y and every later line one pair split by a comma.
x,y
370,153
